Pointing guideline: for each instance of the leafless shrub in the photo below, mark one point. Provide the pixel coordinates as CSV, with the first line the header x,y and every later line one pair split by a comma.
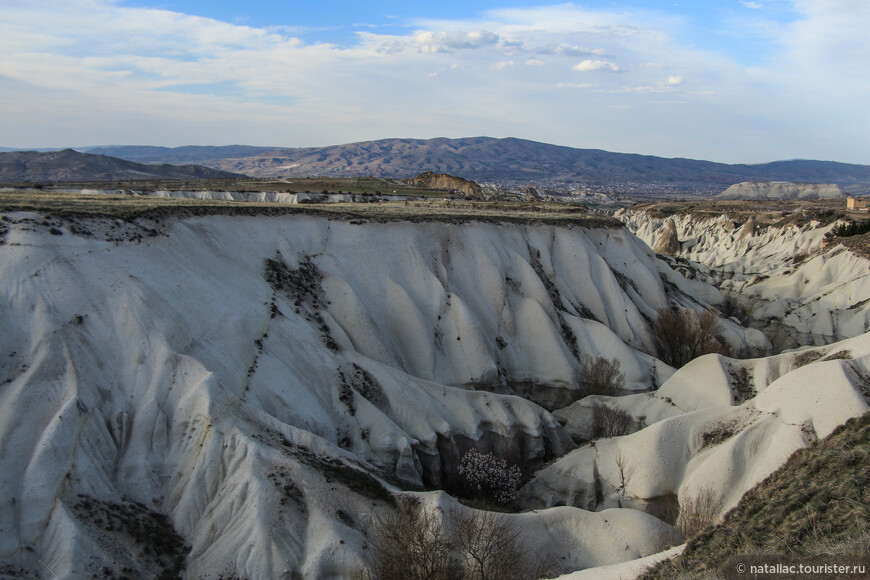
x,y
731,308
491,549
410,542
684,335
601,376
698,512
610,422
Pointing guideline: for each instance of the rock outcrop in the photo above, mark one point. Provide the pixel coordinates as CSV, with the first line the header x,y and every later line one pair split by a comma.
x,y
447,182
748,229
781,190
800,291
667,241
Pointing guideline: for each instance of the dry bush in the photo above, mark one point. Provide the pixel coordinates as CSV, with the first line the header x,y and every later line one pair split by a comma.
x,y
601,376
684,335
491,549
731,308
410,543
610,422
698,512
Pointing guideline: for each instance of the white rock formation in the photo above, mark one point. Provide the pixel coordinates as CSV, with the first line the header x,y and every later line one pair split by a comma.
x,y
802,292
738,421
264,382
781,190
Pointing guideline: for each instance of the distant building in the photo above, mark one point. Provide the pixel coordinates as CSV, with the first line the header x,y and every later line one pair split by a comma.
x,y
855,203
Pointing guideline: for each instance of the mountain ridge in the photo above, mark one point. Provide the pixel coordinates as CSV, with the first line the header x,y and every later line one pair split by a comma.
x,y
510,160
71,165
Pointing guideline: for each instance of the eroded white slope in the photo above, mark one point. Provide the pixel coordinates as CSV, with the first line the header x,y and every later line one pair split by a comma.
x,y
167,375
802,292
715,441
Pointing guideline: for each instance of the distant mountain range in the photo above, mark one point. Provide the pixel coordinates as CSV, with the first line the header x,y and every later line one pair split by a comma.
x,y
69,165
504,161
486,159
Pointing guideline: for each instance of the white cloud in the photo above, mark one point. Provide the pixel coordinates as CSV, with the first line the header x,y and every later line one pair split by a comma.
x,y
752,5
95,71
573,50
595,65
576,85
428,41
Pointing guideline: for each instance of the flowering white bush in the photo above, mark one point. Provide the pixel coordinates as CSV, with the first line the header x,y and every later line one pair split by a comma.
x,y
488,476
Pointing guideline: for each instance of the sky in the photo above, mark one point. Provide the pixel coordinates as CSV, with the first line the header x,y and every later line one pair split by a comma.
x,y
735,81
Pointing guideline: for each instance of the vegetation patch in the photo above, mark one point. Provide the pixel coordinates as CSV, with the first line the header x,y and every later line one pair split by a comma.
x,y
731,308
718,435
806,358
817,503
359,380
413,542
335,470
160,548
698,512
302,287
857,244
852,228
839,355
608,421
556,298
741,384
684,335
601,376
289,490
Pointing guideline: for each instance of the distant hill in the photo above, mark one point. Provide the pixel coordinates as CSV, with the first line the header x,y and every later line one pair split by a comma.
x,y
177,155
781,190
69,165
485,159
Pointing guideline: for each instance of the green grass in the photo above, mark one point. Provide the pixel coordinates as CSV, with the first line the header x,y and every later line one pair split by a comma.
x,y
817,503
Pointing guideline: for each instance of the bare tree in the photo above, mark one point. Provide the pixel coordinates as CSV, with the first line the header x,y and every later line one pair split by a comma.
x,y
601,376
491,549
410,543
610,422
414,544
684,335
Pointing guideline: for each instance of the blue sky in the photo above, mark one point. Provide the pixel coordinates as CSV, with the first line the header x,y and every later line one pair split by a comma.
x,y
726,80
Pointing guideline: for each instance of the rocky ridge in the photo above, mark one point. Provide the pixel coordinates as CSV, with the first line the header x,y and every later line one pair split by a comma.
x,y
781,190
794,286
